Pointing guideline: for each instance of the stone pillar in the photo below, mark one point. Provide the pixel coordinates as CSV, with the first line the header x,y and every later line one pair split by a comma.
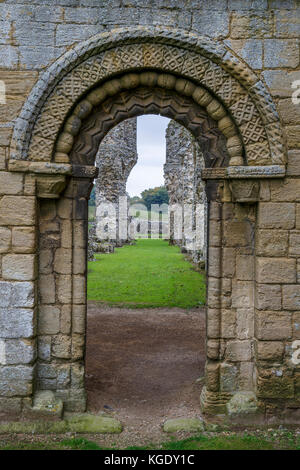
x,y
62,289
116,157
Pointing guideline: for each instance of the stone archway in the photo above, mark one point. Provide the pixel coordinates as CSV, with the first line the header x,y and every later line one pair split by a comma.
x,y
93,87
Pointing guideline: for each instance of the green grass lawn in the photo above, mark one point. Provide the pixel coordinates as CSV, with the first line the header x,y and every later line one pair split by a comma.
x,y
148,274
265,440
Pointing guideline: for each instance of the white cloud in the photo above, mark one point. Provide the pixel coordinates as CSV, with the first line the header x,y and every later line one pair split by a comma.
x,y
151,147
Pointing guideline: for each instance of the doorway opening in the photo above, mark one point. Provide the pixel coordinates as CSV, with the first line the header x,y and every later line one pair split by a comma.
x,y
145,349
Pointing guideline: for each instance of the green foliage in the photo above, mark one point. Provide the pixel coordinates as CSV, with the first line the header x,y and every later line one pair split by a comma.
x,y
148,274
158,195
92,199
256,440
80,444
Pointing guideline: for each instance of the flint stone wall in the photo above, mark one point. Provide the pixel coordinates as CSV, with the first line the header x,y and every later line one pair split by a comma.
x,y
182,172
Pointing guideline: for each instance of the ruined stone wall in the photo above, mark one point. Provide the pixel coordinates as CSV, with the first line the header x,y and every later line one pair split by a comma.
x,y
182,173
115,159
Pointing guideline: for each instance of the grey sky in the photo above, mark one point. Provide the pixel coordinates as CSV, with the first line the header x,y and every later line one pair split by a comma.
x,y
151,147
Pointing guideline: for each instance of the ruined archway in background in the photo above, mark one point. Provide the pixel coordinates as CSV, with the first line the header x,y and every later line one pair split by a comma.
x,y
93,87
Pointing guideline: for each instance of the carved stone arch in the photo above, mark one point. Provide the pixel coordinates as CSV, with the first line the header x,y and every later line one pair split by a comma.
x,y
198,59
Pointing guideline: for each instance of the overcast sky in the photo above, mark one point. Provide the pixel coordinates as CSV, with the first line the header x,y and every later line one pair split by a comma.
x,y
151,147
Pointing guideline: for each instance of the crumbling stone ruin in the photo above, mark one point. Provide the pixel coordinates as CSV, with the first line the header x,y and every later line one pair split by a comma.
x,y
226,70
182,173
115,159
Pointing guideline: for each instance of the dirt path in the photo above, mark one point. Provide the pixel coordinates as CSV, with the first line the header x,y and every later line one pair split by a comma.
x,y
142,366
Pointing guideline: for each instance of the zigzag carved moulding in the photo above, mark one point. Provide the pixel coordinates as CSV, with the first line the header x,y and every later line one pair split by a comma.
x,y
198,59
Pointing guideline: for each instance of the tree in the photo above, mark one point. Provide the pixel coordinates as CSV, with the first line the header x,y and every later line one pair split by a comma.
x,y
158,195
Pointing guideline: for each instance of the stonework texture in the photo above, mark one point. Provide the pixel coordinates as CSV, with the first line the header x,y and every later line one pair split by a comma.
x,y
225,70
182,173
116,157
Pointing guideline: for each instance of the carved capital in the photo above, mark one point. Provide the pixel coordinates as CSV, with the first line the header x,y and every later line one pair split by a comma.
x,y
50,186
246,191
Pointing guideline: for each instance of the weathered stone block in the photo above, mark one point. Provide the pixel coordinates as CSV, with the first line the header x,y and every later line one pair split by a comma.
x,y
19,351
246,376
11,183
242,294
31,33
270,350
293,167
78,318
294,247
251,25
79,262
16,322
23,239
268,297
47,288
49,320
5,238
281,53
10,406
244,267
65,208
296,325
275,387
275,215
212,375
16,381
79,234
237,233
46,262
291,297
65,319
63,261
228,377
237,351
17,210
228,262
78,344
286,190
280,82
249,49
183,424
216,25
79,289
292,134
242,403
272,242
67,34
19,267
61,346
64,288
245,323
273,325
22,294
287,24
44,348
228,323
275,270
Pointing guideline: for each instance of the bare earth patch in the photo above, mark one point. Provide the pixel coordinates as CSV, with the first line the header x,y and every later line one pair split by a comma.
x,y
142,367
